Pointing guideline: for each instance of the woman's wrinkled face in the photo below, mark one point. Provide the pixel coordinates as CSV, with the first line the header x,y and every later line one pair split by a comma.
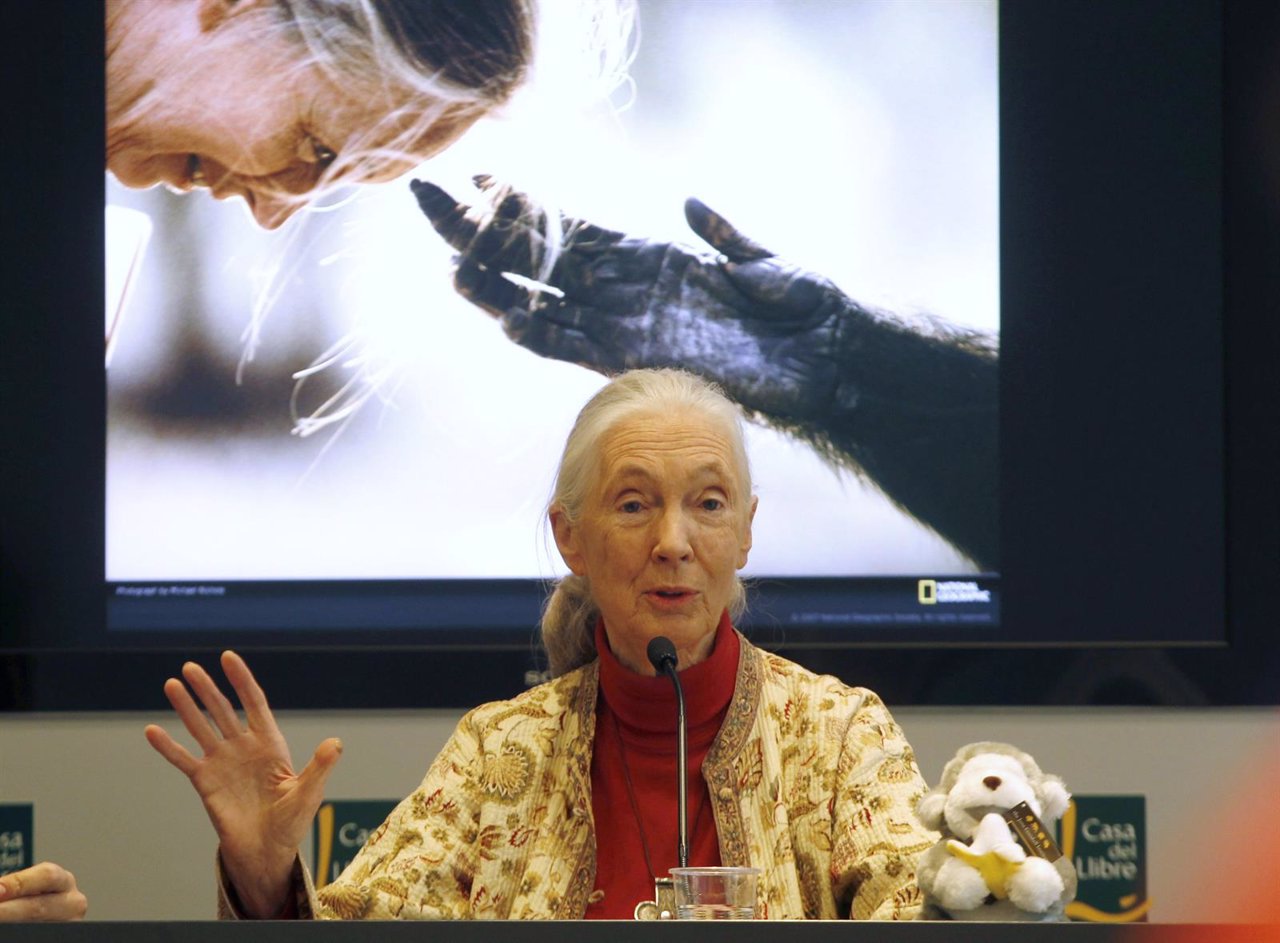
x,y
662,534
210,93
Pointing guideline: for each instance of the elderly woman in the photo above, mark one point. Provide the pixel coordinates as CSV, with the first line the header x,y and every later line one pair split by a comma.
x,y
274,100
559,803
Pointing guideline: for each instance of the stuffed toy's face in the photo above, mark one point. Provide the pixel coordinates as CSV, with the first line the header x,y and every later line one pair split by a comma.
x,y
987,783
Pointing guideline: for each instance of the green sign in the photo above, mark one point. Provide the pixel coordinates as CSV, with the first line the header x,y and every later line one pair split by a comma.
x,y
1106,839
17,832
340,831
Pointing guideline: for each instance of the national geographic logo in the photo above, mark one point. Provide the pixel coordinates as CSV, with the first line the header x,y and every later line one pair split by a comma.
x,y
933,592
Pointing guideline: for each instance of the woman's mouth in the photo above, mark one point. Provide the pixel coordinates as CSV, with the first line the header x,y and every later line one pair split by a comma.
x,y
195,172
671,595
184,174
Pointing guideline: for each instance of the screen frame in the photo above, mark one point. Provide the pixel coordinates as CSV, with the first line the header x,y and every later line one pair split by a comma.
x,y
53,488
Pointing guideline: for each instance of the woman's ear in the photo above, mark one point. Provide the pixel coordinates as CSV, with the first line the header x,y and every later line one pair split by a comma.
x,y
566,535
744,549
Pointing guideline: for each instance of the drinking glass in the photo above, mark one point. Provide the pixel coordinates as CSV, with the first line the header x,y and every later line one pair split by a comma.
x,y
715,893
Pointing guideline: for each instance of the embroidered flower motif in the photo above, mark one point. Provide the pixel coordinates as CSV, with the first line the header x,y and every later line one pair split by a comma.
x,y
404,839
390,886
895,770
909,895
819,836
833,731
425,803
485,901
491,839
506,774
520,836
344,901
748,768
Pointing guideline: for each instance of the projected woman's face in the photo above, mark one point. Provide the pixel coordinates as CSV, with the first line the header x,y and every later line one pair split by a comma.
x,y
661,535
211,93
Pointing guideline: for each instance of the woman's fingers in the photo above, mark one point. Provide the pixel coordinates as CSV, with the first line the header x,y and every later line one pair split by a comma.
x,y
170,749
215,702
316,773
44,908
257,712
190,714
221,710
43,892
43,878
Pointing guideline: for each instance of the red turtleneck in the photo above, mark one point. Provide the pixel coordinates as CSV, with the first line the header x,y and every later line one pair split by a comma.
x,y
636,734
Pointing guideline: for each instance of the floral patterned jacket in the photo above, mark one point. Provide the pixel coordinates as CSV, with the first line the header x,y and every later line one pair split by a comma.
x,y
811,781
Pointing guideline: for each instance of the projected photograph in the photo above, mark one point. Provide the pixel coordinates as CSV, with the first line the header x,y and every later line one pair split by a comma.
x,y
374,381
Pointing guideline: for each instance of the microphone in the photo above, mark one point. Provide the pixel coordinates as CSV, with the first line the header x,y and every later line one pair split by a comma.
x,y
662,655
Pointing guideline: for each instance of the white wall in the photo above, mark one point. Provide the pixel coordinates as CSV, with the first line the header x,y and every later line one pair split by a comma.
x,y
137,839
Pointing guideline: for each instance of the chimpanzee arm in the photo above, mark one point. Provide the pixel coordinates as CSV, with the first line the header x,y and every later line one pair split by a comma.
x,y
913,407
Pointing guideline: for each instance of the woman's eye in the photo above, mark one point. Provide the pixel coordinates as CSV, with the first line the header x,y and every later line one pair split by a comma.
x,y
324,156
631,507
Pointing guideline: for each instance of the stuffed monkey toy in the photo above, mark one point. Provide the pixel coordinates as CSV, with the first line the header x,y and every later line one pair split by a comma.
x,y
980,869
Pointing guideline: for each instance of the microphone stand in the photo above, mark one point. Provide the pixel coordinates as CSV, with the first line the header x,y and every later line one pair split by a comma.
x,y
682,770
662,655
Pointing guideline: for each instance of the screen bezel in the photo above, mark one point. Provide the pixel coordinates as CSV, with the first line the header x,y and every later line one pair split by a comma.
x,y
53,495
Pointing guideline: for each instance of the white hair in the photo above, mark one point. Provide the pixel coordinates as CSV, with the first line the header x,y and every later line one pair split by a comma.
x,y
568,619
440,63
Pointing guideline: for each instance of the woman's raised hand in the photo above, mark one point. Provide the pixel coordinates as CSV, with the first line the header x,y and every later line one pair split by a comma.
x,y
259,806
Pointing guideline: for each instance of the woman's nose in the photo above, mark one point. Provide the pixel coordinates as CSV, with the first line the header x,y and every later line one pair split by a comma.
x,y
672,541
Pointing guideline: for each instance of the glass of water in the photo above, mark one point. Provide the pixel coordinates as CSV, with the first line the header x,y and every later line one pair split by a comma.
x,y
715,893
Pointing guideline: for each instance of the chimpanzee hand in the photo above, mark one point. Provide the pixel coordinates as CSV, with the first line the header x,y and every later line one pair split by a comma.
x,y
912,406
770,333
